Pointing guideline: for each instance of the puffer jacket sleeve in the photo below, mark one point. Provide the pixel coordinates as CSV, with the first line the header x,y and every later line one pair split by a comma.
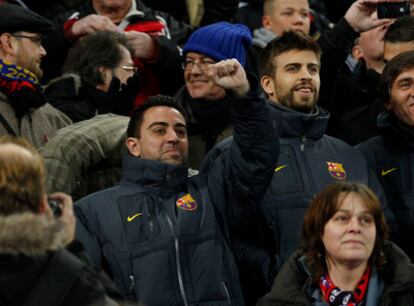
x,y
239,177
85,233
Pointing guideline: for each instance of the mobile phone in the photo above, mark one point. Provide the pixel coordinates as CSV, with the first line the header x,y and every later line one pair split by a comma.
x,y
393,10
56,207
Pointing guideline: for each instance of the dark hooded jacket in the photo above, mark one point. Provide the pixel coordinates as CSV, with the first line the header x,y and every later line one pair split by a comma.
x,y
164,237
391,156
309,161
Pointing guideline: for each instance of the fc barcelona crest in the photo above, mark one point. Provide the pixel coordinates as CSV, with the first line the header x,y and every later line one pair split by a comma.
x,y
336,170
187,203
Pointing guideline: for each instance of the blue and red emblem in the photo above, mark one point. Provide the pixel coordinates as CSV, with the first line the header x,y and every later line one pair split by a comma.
x,y
186,203
336,170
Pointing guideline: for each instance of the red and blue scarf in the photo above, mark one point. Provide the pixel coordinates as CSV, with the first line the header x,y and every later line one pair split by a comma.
x,y
21,88
335,296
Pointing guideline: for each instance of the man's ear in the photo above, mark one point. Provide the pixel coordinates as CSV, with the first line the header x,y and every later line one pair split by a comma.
x,y
106,77
268,85
133,146
7,45
357,52
266,22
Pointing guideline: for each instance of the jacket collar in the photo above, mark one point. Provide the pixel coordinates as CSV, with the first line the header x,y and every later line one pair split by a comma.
x,y
153,175
394,131
30,234
292,123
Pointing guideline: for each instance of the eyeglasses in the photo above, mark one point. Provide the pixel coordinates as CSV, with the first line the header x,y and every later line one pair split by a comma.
x,y
202,64
128,68
35,39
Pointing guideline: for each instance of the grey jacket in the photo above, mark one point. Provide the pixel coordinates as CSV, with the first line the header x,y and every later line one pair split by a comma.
x,y
38,126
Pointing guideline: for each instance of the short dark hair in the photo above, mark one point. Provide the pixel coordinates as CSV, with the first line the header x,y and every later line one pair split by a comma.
x,y
94,51
21,178
288,41
392,70
323,207
402,30
134,125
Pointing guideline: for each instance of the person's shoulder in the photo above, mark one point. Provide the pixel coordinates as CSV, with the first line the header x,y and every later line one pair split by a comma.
x,y
372,144
102,197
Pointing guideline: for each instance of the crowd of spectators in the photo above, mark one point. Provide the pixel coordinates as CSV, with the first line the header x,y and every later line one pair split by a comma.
x,y
226,152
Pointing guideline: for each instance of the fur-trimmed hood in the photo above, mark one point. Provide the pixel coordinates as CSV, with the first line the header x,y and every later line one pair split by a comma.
x,y
30,234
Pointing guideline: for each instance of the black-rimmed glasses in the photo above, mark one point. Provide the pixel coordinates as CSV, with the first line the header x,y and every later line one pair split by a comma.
x,y
36,39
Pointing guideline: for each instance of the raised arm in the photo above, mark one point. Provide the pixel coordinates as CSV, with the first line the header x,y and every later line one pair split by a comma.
x,y
240,176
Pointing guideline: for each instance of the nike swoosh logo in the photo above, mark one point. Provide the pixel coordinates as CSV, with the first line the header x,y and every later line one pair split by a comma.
x,y
131,218
280,168
385,172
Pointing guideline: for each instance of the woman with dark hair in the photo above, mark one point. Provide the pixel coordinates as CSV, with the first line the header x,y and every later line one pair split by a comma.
x,y
346,259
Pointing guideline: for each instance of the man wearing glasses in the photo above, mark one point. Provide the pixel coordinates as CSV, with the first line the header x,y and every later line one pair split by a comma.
x,y
205,104
23,109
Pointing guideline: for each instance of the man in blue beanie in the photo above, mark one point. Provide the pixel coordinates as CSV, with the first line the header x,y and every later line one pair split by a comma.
x,y
205,104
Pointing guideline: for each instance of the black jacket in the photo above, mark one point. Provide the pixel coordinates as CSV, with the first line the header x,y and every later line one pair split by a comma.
x,y
306,165
163,236
391,156
293,285
350,97
80,101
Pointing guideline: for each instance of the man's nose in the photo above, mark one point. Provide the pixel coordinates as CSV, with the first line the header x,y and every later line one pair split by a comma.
x,y
196,68
42,51
305,74
298,19
171,136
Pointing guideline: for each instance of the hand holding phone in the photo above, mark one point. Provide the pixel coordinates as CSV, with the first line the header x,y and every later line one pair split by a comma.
x,y
64,212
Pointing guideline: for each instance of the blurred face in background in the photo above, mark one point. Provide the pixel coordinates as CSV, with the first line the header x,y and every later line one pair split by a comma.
x,y
282,15
392,49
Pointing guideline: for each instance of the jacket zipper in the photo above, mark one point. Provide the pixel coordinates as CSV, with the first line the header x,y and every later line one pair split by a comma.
x,y
226,290
178,262
308,169
150,223
302,142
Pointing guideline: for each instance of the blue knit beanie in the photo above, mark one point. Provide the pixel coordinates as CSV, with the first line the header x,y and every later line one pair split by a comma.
x,y
220,41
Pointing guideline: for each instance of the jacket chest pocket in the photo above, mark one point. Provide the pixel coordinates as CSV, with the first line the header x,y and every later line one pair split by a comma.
x,y
394,175
138,213
287,177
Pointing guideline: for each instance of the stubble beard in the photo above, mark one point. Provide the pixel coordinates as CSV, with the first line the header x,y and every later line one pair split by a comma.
x,y
303,105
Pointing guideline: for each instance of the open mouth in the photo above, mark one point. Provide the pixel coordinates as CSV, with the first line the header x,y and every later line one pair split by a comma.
x,y
304,89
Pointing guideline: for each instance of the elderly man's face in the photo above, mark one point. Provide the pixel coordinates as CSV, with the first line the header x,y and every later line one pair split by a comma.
x,y
198,83
29,51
